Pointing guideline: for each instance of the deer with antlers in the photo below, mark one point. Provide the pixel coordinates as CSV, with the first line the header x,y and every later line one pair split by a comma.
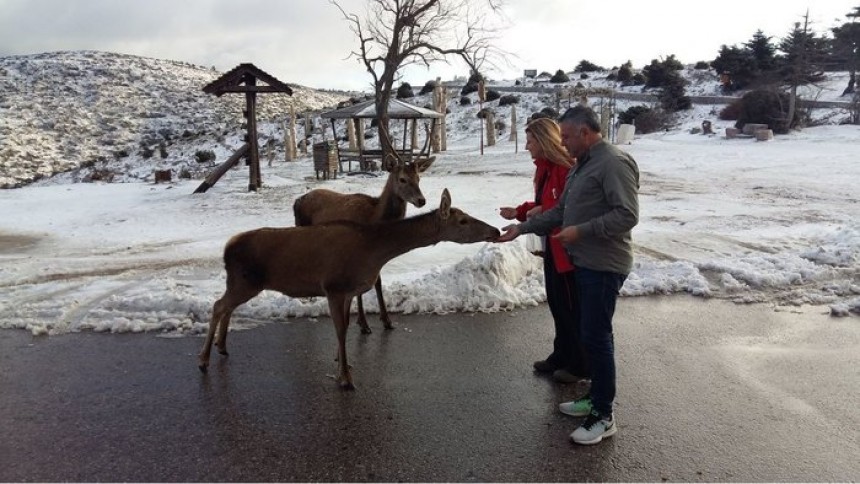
x,y
322,206
338,260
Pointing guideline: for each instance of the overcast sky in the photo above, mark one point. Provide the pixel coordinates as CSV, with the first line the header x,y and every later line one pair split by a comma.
x,y
307,41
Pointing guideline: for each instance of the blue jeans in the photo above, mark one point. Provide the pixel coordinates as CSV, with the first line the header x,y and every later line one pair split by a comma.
x,y
598,291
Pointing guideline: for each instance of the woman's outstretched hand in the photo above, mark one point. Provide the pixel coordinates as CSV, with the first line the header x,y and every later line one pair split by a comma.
x,y
508,213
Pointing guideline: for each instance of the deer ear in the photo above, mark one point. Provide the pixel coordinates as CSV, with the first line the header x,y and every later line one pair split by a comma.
x,y
445,205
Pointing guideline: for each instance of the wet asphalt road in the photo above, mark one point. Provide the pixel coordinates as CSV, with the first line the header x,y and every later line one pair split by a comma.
x,y
708,391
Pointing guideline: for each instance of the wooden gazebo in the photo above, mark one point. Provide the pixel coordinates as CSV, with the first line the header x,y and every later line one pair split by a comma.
x,y
397,110
244,78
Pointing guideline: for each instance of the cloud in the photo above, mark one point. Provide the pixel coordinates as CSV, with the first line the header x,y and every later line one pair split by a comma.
x,y
308,41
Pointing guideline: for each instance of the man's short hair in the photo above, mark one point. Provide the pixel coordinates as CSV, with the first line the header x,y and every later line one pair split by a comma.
x,y
580,114
548,113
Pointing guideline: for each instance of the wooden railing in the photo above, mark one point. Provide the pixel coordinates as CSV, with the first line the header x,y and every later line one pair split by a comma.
x,y
370,160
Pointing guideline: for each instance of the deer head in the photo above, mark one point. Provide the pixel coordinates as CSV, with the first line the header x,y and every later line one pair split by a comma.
x,y
404,179
458,226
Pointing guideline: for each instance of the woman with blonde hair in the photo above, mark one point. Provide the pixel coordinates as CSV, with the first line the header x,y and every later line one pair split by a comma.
x,y
567,362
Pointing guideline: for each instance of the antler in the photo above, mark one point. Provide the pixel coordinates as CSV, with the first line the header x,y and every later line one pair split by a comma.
x,y
386,164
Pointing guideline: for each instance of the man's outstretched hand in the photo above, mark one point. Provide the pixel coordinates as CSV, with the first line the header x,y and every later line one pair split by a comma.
x,y
509,233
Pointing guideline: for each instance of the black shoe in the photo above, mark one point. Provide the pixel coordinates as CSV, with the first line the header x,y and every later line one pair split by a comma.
x,y
545,366
563,376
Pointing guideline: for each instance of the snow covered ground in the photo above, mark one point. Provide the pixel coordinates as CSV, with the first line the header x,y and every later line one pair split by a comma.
x,y
768,222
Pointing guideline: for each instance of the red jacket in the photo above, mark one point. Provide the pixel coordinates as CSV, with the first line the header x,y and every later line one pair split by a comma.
x,y
550,179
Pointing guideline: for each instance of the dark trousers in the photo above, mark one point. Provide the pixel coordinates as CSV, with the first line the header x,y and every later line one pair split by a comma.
x,y
598,292
561,295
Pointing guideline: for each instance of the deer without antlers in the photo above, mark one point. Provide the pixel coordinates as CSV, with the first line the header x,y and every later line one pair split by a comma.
x,y
322,206
338,260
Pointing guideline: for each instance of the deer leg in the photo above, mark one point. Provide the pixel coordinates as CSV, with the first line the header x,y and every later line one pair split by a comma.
x,y
217,314
383,311
362,319
339,308
222,310
221,338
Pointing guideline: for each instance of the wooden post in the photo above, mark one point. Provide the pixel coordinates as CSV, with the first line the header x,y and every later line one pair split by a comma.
x,y
491,129
350,134
436,124
482,94
293,153
289,144
255,180
309,133
223,168
243,79
605,117
414,136
360,134
443,108
514,134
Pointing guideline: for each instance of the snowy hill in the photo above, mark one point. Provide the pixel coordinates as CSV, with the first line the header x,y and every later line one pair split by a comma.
x,y
103,116
62,110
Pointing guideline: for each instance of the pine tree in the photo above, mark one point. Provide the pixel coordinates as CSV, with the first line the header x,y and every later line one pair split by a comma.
x,y
763,51
625,73
801,64
737,63
803,52
658,73
673,96
559,77
586,66
846,46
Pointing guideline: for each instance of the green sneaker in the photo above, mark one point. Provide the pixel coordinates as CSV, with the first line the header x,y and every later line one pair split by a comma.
x,y
594,429
577,408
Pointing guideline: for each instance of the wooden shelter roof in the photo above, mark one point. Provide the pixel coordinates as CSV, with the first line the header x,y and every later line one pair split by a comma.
x,y
397,109
236,80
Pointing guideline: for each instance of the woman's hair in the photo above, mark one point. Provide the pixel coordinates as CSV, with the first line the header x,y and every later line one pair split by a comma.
x,y
547,135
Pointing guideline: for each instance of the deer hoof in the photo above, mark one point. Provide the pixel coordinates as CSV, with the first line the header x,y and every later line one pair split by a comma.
x,y
346,385
203,364
366,330
223,351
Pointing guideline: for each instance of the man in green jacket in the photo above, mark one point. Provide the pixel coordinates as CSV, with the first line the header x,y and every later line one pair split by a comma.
x,y
597,211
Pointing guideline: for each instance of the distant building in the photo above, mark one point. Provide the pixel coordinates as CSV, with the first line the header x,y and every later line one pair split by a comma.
x,y
530,73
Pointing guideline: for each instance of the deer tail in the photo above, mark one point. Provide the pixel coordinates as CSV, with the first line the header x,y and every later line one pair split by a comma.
x,y
240,262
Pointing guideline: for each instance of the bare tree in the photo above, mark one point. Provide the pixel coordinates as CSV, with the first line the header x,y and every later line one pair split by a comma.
x,y
398,33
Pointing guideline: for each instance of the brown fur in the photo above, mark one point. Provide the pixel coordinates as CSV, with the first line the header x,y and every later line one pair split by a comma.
x,y
322,206
336,260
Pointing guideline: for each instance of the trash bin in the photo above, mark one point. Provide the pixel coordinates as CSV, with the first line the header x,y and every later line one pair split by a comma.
x,y
325,159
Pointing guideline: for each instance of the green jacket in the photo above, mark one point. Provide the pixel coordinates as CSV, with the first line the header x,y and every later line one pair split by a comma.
x,y
601,198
